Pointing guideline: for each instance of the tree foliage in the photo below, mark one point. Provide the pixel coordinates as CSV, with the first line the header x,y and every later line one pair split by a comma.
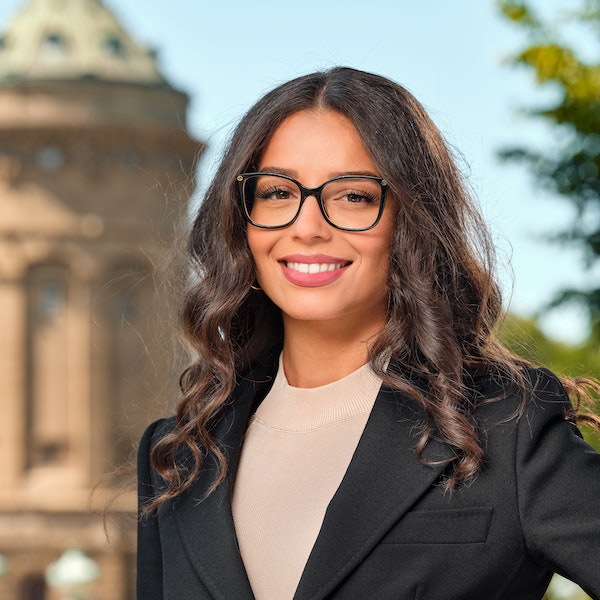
x,y
571,167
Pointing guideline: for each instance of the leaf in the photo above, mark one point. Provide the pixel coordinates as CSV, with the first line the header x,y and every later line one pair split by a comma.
x,y
519,12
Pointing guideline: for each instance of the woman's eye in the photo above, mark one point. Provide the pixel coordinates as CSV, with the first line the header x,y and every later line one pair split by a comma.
x,y
273,194
358,197
355,198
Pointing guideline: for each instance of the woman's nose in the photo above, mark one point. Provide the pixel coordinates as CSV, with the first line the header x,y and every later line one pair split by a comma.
x,y
311,222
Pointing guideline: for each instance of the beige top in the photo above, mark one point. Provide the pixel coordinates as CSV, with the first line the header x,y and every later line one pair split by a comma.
x,y
295,453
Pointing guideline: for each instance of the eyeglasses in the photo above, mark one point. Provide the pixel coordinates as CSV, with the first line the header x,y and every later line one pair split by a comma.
x,y
348,202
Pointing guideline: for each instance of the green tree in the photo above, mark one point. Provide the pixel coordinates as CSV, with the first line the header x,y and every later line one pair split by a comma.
x,y
571,168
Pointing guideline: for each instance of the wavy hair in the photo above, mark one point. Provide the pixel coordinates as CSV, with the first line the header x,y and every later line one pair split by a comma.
x,y
443,302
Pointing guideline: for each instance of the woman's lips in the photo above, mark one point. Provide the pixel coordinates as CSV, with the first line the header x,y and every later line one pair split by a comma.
x,y
313,270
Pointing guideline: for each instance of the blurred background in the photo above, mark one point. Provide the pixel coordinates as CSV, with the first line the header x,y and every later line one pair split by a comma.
x,y
113,116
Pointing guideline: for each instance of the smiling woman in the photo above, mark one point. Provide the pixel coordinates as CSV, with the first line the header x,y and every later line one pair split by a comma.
x,y
350,426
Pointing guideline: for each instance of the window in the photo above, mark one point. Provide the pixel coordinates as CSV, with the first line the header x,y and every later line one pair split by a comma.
x,y
48,354
114,45
50,158
34,588
54,45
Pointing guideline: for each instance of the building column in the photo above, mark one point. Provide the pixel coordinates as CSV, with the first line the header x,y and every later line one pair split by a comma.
x,y
12,376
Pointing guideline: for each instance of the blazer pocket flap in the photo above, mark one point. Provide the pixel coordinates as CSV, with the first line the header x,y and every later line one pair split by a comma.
x,y
456,526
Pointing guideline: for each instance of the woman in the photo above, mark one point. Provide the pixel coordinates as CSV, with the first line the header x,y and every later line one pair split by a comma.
x,y
351,427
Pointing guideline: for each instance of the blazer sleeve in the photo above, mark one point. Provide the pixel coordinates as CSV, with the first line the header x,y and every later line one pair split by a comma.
x,y
149,556
558,482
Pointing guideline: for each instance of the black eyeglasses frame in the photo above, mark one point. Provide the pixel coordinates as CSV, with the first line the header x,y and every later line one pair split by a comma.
x,y
316,192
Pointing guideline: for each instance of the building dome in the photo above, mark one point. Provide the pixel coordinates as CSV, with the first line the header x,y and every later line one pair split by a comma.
x,y
70,40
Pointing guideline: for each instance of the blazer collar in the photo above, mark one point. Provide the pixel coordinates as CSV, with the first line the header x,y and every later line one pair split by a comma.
x,y
383,480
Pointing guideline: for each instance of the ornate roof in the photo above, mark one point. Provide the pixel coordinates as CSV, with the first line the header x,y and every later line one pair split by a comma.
x,y
50,40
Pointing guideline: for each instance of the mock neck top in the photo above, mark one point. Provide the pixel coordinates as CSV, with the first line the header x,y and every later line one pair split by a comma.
x,y
295,452
294,409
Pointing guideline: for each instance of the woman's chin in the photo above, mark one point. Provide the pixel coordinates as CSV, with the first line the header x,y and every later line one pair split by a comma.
x,y
311,312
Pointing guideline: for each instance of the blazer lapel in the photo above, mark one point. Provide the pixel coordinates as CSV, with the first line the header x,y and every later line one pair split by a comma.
x,y
383,480
206,527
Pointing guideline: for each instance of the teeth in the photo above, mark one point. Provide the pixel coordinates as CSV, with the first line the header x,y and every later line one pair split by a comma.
x,y
314,267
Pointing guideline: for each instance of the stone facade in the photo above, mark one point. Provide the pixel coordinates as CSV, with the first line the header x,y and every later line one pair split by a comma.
x,y
96,169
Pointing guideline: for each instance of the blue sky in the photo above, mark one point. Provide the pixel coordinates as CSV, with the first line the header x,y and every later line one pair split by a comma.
x,y
449,53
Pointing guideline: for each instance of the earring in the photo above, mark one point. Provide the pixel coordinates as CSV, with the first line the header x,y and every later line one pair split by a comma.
x,y
255,288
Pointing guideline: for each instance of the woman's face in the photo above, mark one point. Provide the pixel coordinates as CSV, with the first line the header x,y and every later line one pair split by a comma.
x,y
312,147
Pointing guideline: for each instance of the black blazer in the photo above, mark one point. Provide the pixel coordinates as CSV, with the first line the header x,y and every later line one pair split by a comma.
x,y
390,532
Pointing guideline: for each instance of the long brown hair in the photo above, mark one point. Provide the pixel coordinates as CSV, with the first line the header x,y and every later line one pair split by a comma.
x,y
443,304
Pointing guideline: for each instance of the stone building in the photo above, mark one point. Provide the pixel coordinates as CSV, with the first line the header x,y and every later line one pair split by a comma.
x,y
96,168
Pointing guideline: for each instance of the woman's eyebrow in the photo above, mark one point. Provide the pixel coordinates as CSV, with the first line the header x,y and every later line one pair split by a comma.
x,y
294,173
279,171
368,173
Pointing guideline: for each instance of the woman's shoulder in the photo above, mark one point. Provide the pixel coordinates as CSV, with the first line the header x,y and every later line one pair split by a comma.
x,y
529,423
148,479
155,432
530,394
537,382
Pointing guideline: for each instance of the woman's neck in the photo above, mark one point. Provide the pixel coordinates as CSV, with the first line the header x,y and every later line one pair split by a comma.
x,y
316,353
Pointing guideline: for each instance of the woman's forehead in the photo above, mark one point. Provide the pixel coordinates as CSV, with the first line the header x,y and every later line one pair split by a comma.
x,y
315,142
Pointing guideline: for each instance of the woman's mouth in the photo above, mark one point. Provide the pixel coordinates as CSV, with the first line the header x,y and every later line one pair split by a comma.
x,y
313,271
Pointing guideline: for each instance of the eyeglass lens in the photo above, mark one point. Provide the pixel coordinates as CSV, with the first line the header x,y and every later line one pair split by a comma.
x,y
351,203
